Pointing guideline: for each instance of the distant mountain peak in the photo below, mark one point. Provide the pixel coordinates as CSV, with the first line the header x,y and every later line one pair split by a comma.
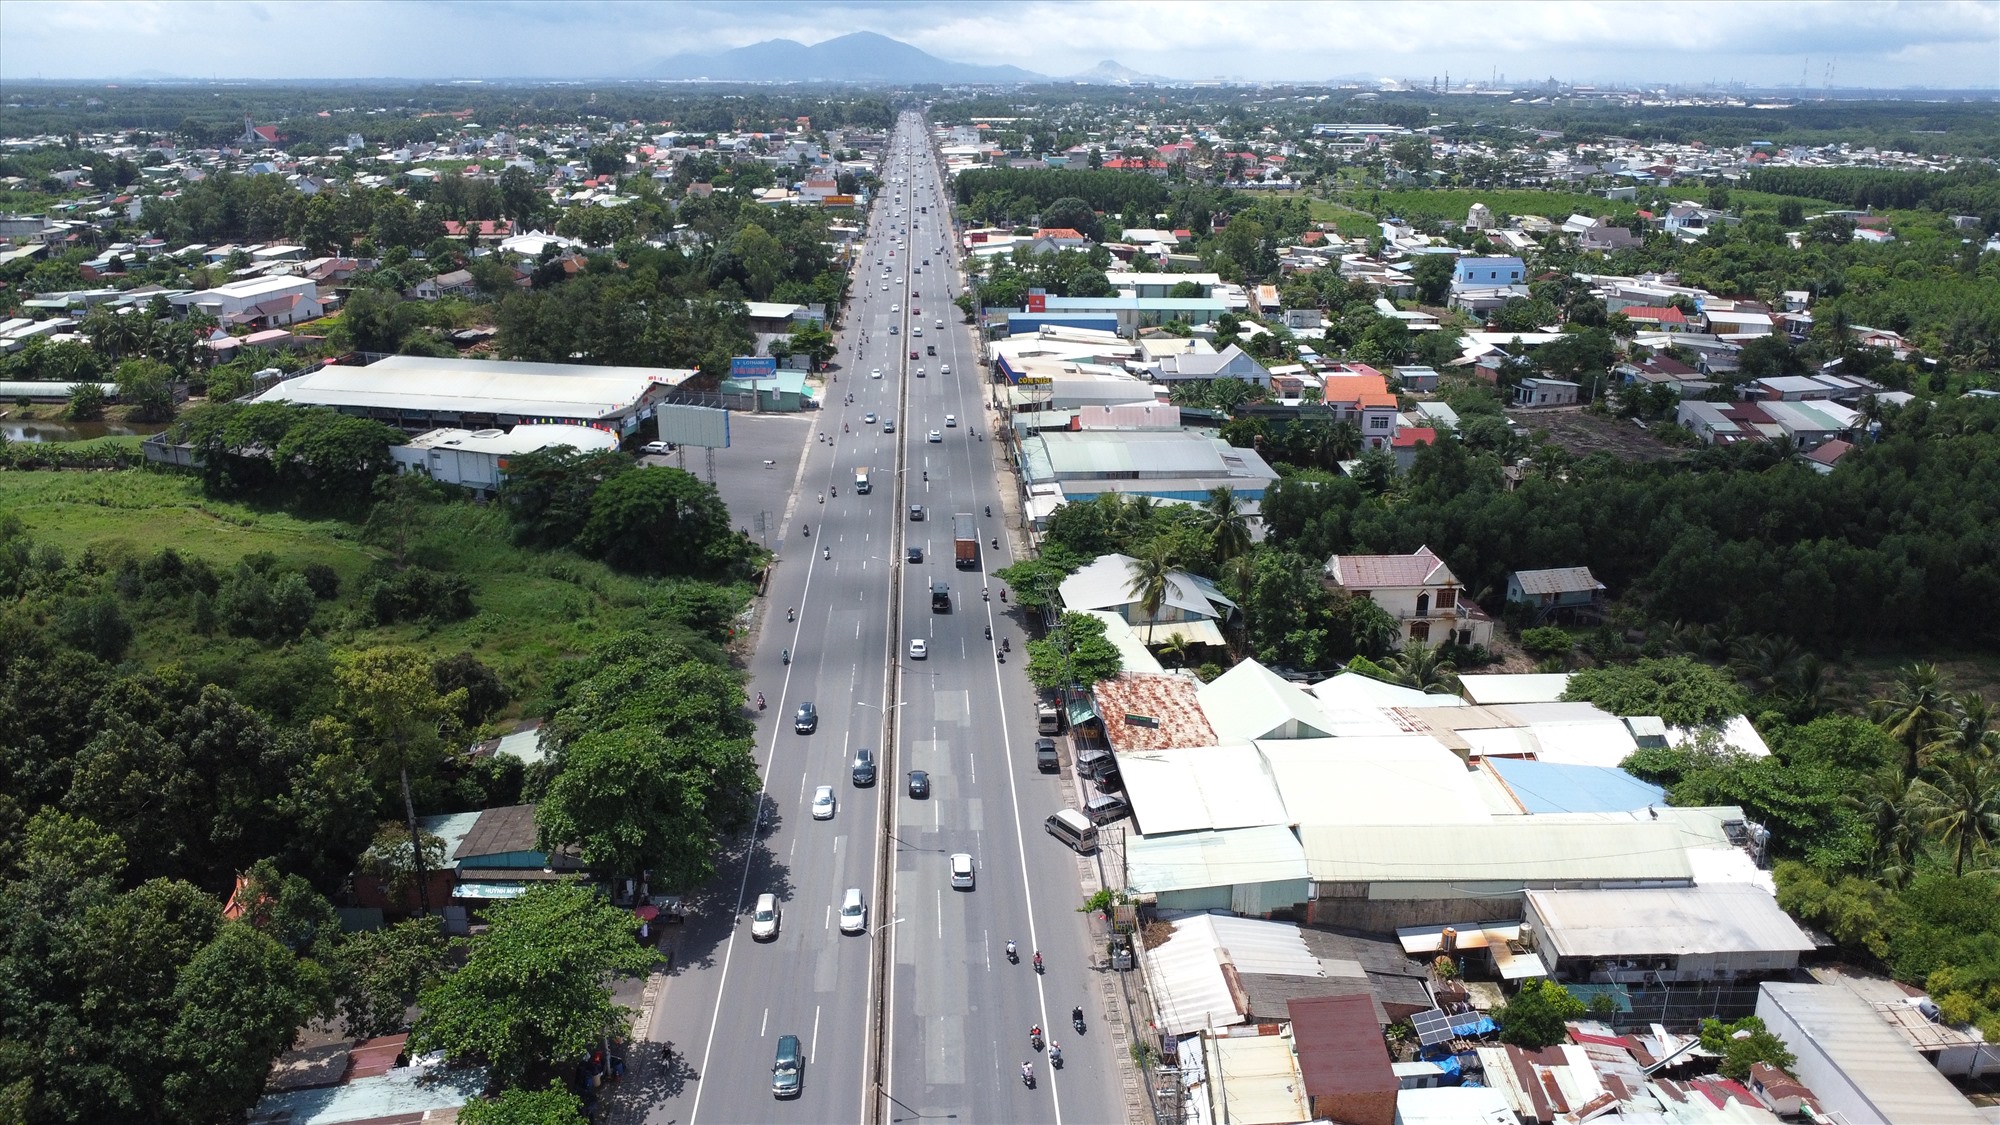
x,y
859,57
1113,72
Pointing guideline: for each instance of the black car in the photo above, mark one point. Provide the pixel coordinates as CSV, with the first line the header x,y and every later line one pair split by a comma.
x,y
914,554
920,784
807,720
863,770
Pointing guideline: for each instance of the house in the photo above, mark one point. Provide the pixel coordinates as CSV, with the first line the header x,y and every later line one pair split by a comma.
x,y
1297,319
489,232
1718,931
1650,319
1194,609
1419,591
1343,1060
1419,379
1230,363
1050,239
270,301
1606,238
1489,272
1569,590
1829,454
457,283
1407,441
1362,398
1539,391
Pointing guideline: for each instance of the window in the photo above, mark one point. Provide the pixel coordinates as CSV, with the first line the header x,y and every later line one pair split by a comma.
x,y
1378,423
1447,597
1420,630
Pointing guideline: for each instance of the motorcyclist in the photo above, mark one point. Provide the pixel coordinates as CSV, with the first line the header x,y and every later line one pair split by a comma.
x,y
1035,1035
1010,949
760,701
791,614
1028,1073
1038,960
1055,1054
1076,1015
786,656
805,529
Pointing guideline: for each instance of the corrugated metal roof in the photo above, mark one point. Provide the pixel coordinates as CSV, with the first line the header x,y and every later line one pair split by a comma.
x,y
1251,701
1530,849
1194,860
1378,572
1725,918
1504,687
1562,580
1552,787
420,383
1352,689
1340,1047
1209,787
1146,712
1896,1081
1401,781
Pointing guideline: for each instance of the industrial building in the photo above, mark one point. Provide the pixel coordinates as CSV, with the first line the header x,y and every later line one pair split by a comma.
x,y
419,393
477,460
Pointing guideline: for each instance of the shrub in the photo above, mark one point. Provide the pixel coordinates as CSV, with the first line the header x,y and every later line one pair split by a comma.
x,y
1546,641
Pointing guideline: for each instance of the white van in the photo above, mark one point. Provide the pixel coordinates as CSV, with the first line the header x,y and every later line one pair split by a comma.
x,y
1071,828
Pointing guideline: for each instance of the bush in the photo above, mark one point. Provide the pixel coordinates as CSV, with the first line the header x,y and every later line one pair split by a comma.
x,y
419,594
86,403
96,626
324,581
1548,640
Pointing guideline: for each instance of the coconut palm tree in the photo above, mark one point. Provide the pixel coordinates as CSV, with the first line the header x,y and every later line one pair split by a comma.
x,y
1911,711
1811,690
1882,799
1767,662
1957,803
1152,579
1966,730
1425,668
1175,648
1228,532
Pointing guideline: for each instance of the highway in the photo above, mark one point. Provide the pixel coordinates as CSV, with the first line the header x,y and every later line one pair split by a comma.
x,y
928,980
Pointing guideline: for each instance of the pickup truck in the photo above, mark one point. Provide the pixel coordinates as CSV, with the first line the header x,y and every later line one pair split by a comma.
x,y
1045,755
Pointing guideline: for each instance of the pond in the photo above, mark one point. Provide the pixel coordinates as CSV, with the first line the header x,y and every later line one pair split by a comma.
x,y
55,430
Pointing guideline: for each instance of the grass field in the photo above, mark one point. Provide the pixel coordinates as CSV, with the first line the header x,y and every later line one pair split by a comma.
x,y
1349,222
533,607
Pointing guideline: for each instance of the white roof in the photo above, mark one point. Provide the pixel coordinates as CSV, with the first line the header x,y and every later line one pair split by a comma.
x,y
1251,701
1107,582
1406,780
256,287
520,439
1453,1105
1189,985
1133,655
1882,1070
1352,689
1737,734
1506,851
1205,787
1509,687
419,383
1725,918
1194,860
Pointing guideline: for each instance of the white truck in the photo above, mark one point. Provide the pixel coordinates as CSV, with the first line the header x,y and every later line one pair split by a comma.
x,y
861,480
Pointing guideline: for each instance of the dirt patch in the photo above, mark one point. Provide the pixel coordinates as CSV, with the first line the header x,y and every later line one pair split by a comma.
x,y
1583,432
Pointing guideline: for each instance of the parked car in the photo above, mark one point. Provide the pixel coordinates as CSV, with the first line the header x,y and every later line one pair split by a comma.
x,y
1045,755
657,447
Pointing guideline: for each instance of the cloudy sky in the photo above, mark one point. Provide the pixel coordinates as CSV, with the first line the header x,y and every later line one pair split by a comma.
x,y
1946,43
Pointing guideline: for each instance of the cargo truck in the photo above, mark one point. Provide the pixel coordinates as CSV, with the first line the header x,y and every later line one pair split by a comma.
x,y
861,480
965,536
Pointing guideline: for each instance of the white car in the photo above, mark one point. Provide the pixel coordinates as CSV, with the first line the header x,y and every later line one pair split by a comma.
x,y
764,918
916,330
657,447
823,803
951,421
944,368
869,418
885,287
919,650
935,436
961,871
875,374
853,912
895,308
899,281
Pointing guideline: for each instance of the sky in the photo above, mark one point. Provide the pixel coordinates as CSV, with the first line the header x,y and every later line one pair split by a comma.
x,y
1841,43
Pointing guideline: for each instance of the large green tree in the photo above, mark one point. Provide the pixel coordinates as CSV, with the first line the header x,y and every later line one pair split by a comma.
x,y
534,987
660,521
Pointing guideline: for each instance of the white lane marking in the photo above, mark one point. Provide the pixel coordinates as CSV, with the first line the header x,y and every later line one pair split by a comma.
x,y
765,1026
827,922
813,1050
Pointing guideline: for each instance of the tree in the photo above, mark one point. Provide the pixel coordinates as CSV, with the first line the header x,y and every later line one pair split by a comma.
x,y
533,989
240,1004
1075,653
660,521
1957,803
811,339
1425,668
1074,214
1432,274
1227,530
147,386
1915,706
1151,580
548,492
378,974
1682,692
1534,1018
1744,1044
553,1106
630,800
86,403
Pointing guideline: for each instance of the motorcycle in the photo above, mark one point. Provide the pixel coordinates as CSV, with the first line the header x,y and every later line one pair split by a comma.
x,y
786,656
989,632
1013,955
1055,1056
760,701
1003,593
827,553
1006,645
806,530
1028,1075
985,596
1038,960
1035,1037
1076,1018
1002,654
791,614
989,509
996,545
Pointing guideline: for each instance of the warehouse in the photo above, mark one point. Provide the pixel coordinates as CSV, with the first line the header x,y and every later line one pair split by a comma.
x,y
478,459
418,393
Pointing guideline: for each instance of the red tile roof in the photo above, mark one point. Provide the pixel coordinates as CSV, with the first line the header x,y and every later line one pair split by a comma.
x,y
1376,572
1668,315
1059,232
1409,437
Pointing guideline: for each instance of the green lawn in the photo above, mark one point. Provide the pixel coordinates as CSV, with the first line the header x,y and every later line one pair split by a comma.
x,y
1349,222
534,607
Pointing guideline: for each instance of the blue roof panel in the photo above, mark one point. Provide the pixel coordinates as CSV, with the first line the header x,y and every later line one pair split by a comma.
x,y
1555,787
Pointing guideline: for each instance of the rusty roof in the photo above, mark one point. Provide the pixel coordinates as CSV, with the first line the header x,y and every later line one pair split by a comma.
x,y
1152,711
1340,1046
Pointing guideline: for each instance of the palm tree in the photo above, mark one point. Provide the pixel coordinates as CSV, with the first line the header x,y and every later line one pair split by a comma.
x,y
1175,648
1152,579
1228,532
1911,712
1882,799
1768,662
1958,805
1343,442
1966,730
1423,667
1810,689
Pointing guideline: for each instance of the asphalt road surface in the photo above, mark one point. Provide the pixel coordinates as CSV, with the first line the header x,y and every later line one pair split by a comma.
x,y
928,978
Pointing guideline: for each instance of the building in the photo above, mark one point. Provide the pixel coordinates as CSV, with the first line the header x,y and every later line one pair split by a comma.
x,y
265,301
1540,391
1361,395
1419,591
1421,379
1343,1060
1168,464
419,393
1569,590
1729,932
477,460
1230,363
1486,272
1860,1069
1194,609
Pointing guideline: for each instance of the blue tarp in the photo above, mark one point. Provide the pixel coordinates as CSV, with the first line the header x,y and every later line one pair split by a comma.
x,y
1483,1025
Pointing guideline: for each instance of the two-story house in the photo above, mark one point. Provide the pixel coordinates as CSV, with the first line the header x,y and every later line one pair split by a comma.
x,y
1364,399
1418,590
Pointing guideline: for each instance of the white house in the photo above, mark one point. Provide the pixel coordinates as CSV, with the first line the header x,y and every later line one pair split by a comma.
x,y
1418,590
1194,608
272,300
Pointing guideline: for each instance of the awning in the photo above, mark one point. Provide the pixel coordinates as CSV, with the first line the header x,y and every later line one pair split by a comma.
x,y
1081,712
1194,632
1516,966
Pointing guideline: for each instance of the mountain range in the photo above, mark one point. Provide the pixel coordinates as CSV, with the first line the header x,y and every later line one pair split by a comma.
x,y
863,56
